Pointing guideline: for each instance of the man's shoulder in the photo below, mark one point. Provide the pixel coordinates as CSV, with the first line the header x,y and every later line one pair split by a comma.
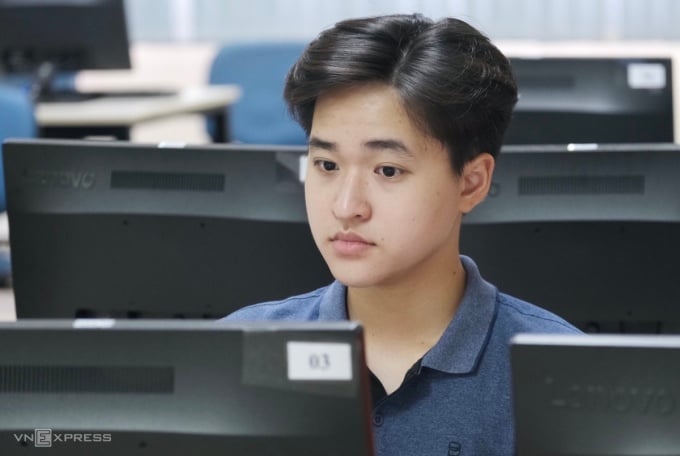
x,y
298,308
519,315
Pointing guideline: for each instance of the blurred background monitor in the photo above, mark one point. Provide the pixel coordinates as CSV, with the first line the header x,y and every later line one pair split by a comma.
x,y
138,230
163,388
592,100
596,395
44,38
593,235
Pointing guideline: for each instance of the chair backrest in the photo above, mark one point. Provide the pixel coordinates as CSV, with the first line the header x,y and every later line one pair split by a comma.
x,y
63,81
259,68
17,120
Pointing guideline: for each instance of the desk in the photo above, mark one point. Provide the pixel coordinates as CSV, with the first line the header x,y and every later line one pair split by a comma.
x,y
114,116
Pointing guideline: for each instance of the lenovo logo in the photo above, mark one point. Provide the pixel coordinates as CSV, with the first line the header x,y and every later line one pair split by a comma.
x,y
61,179
617,399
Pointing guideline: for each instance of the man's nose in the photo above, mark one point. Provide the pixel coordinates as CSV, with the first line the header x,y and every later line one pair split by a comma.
x,y
351,200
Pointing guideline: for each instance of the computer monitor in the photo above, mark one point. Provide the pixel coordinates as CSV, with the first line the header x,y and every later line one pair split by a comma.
x,y
160,388
596,395
42,38
592,100
125,230
591,233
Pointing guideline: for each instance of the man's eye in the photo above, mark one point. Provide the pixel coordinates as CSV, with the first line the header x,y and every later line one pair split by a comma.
x,y
325,165
389,171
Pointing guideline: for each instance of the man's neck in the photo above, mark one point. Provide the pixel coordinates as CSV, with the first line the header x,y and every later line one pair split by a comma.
x,y
401,323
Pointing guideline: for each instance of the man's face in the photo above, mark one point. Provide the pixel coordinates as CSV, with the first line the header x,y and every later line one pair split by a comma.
x,y
382,200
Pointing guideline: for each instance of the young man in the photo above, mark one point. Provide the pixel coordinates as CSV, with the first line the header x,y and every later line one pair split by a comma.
x,y
404,117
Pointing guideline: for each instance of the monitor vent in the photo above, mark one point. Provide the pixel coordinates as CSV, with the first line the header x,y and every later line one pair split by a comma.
x,y
581,185
86,379
200,182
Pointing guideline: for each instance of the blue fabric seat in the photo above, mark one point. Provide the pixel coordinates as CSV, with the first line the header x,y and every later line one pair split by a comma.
x,y
17,120
60,82
260,116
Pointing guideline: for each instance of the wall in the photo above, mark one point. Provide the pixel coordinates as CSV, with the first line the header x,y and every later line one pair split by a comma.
x,y
227,20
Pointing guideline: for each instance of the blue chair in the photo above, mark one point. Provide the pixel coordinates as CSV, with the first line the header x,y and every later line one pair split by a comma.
x,y
260,116
60,82
17,120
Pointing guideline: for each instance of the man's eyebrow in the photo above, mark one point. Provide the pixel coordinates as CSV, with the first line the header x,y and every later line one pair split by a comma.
x,y
390,144
317,143
374,144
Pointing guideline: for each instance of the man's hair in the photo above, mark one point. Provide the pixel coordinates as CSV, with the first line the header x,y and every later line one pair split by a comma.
x,y
455,85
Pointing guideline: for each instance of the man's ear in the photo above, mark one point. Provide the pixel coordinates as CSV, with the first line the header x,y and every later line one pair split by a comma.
x,y
476,181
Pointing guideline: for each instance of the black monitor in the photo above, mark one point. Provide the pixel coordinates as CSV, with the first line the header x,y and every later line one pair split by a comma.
x,y
589,232
592,100
116,229
164,388
596,395
41,38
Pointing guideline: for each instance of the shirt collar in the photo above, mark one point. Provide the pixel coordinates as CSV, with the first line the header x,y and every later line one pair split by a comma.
x,y
461,346
333,304
463,342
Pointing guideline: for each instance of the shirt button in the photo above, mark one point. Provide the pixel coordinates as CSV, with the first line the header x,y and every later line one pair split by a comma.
x,y
378,419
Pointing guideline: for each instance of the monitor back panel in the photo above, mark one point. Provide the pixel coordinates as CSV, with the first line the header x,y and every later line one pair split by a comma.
x,y
74,35
596,395
592,234
184,387
123,230
592,100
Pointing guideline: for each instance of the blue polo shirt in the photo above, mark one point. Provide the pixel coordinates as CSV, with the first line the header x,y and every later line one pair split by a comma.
x,y
456,400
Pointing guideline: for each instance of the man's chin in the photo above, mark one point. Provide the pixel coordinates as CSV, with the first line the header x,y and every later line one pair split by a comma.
x,y
355,278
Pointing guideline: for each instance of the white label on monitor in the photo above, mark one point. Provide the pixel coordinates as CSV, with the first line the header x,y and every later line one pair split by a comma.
x,y
104,323
171,145
646,76
319,361
302,170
